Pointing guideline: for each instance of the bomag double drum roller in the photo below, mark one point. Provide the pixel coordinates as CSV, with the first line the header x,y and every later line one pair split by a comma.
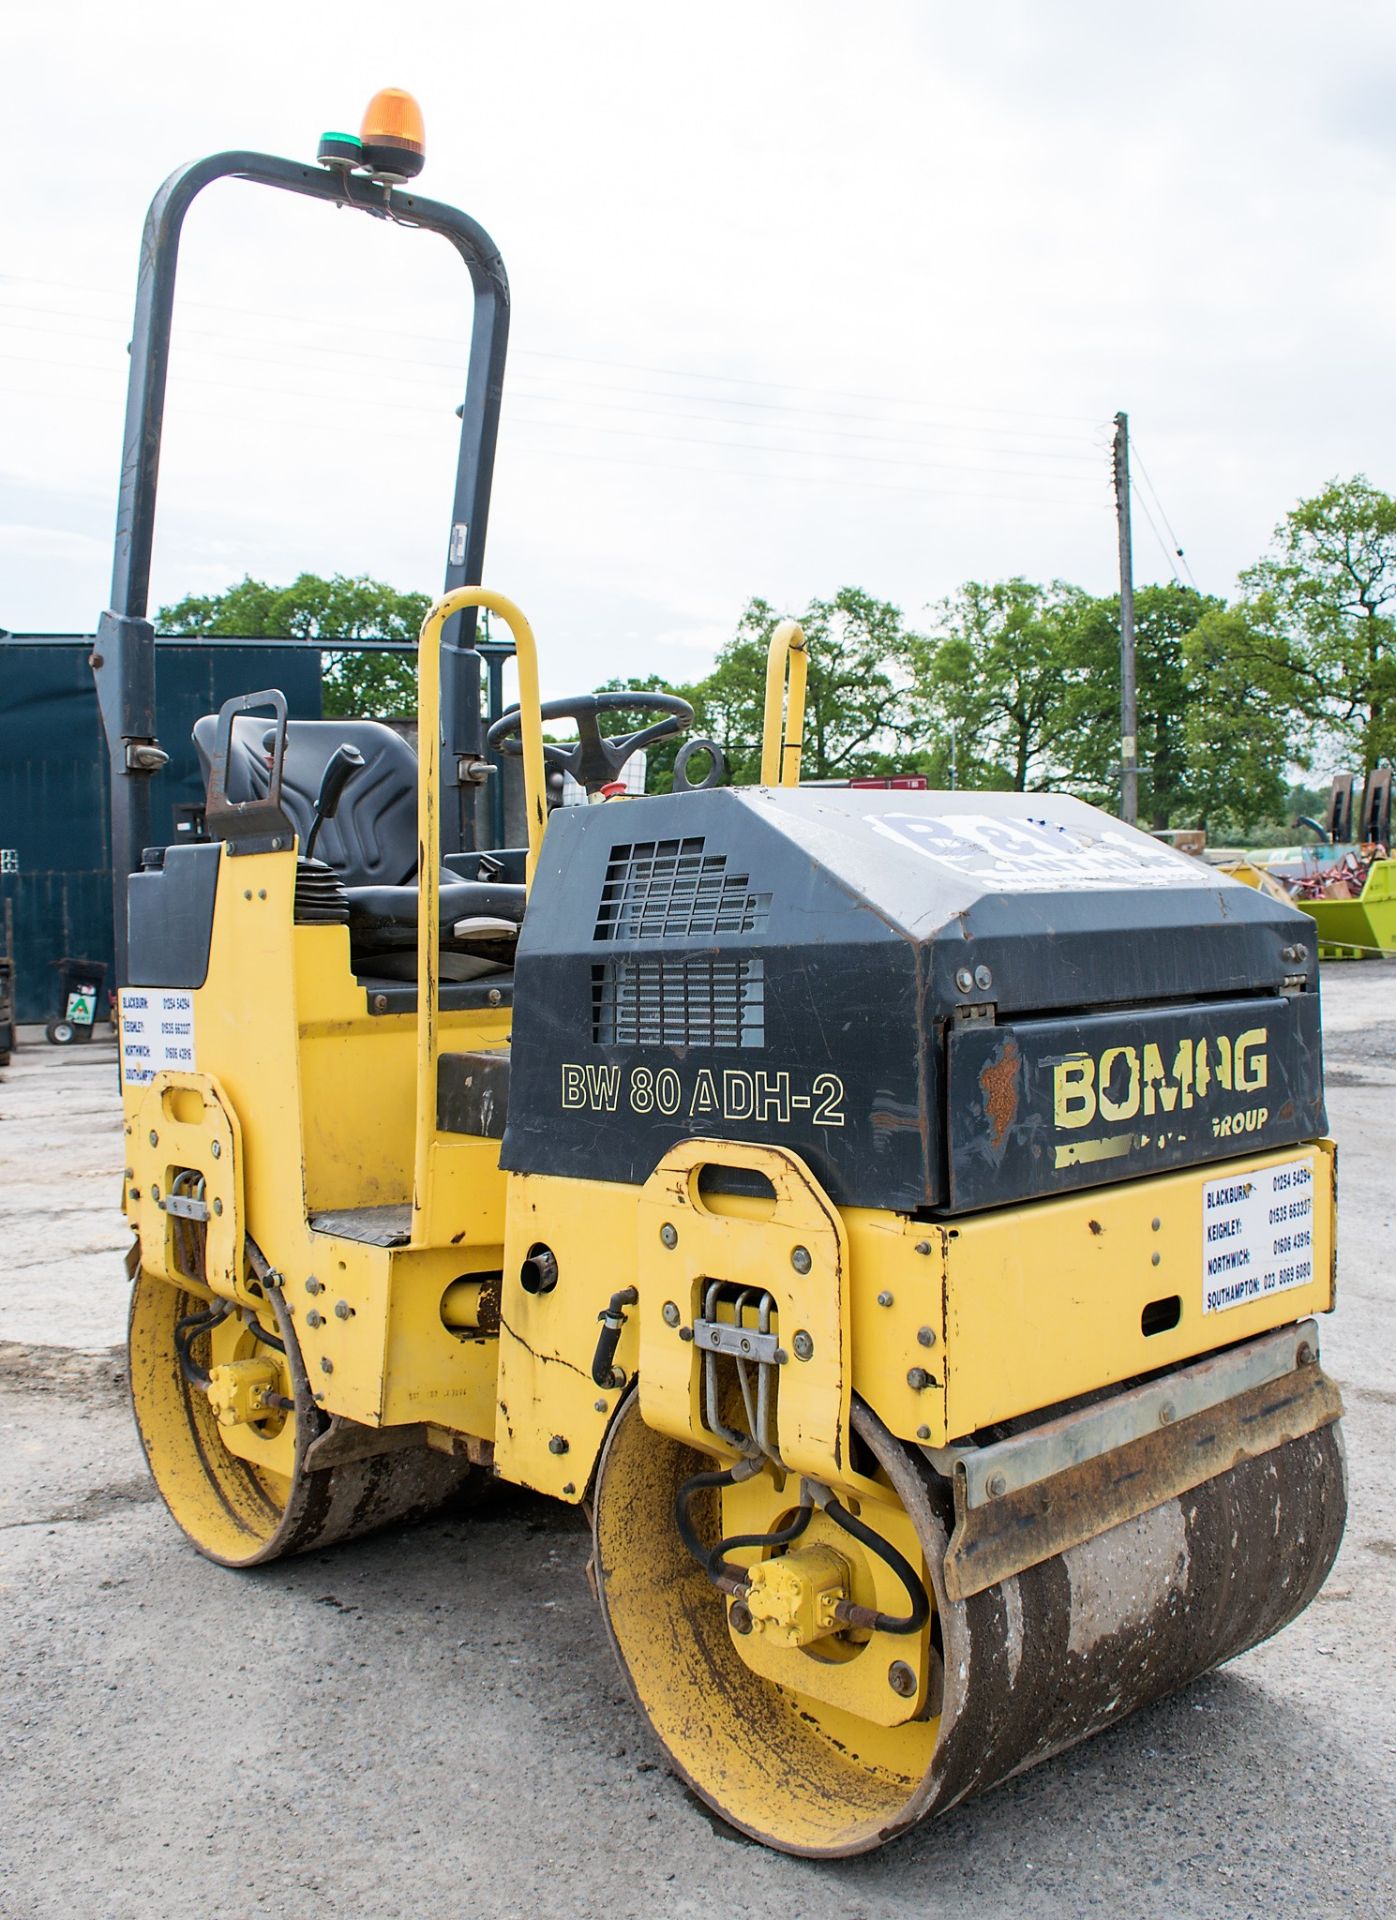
x,y
897,1219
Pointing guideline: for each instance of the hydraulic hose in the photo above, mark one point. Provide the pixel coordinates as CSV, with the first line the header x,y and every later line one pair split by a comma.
x,y
732,1579
869,1617
259,1332
699,1483
603,1371
713,1560
717,1563
187,1331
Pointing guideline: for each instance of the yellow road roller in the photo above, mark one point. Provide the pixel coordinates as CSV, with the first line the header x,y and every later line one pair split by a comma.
x,y
897,1219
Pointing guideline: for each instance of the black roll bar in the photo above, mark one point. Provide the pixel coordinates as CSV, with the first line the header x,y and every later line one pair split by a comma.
x,y
123,659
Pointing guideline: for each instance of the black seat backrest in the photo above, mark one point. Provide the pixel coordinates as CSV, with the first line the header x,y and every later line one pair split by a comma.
x,y
372,840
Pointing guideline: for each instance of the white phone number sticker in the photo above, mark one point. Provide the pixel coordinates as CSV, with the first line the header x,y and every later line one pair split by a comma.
x,y
157,1032
1257,1234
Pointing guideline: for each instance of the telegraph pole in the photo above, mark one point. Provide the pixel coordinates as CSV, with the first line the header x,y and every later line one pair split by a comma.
x,y
1129,706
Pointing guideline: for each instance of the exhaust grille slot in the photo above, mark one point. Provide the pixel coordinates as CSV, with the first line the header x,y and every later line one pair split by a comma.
x,y
679,1003
672,889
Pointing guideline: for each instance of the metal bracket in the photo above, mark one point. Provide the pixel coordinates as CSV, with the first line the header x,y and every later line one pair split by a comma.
x,y
187,1209
718,1336
257,824
145,756
990,1473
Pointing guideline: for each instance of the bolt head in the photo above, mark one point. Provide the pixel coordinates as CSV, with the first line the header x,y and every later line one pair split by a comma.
x,y
803,1345
669,1235
312,1285
599,1406
739,1617
154,1138
1157,1225
1304,1354
216,1149
800,1259
380,1003
923,1247
326,1364
670,1314
315,1318
884,1299
343,1310
923,1433
901,1679
559,1444
983,979
918,1379
1155,1259
964,980
1167,1414
494,996
926,1336
996,1486
154,1192
217,1204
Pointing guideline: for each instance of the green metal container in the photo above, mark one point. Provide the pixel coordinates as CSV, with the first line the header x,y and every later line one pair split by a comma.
x,y
1358,929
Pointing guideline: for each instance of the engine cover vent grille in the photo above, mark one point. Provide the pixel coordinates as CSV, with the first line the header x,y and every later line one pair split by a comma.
x,y
673,890
679,1003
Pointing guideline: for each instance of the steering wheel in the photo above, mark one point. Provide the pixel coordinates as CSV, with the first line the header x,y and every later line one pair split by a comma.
x,y
597,758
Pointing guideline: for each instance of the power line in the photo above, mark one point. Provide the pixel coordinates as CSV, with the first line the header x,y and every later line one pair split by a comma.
x,y
212,342
736,473
1163,546
1177,544
721,444
618,400
223,307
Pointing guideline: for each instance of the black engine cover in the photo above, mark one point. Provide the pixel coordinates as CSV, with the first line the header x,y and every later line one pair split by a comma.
x,y
945,1001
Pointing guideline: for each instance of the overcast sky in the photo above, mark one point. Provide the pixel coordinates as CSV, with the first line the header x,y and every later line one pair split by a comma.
x,y
803,295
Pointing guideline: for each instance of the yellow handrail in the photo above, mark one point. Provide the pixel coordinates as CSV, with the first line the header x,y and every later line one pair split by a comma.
x,y
429,843
782,733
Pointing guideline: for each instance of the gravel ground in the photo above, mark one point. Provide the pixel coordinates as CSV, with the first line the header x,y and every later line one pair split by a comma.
x,y
429,1721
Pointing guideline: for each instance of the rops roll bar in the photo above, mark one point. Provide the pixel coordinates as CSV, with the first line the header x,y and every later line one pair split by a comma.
x,y
123,659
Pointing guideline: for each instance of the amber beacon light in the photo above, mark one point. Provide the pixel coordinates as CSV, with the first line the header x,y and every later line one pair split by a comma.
x,y
393,136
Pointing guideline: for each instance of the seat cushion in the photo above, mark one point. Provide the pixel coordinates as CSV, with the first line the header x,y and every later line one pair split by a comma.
x,y
377,909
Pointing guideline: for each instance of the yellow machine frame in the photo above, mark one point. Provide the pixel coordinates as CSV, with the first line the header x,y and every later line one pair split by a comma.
x,y
941,1329
306,1112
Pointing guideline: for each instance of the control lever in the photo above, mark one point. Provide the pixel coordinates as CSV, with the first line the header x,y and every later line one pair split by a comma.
x,y
343,764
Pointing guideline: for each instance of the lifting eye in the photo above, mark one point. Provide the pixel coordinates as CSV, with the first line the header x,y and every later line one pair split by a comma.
x,y
538,1274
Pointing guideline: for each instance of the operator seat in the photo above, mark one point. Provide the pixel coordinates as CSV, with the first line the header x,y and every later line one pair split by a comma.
x,y
371,842
372,839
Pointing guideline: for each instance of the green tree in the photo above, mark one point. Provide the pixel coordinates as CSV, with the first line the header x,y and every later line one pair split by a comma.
x,y
381,685
1237,726
1322,624
996,672
1171,688
858,718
